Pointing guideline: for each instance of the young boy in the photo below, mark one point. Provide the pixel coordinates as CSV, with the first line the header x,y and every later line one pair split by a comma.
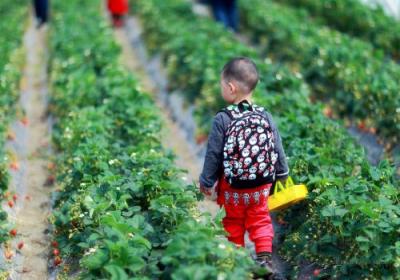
x,y
244,158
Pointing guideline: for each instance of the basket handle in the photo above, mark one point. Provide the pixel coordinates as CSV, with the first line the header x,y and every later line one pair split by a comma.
x,y
289,182
279,186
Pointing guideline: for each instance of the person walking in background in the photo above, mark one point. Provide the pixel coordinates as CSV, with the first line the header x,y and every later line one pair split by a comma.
x,y
41,11
225,11
118,9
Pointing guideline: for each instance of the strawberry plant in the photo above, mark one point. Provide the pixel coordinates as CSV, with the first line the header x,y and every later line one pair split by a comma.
x,y
122,210
357,19
336,228
354,77
11,29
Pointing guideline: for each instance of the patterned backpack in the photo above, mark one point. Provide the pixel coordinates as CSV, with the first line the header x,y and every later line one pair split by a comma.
x,y
249,150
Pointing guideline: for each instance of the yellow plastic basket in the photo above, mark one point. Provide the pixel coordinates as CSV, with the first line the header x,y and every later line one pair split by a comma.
x,y
285,196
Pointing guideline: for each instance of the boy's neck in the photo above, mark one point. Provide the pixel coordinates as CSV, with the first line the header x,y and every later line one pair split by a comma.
x,y
242,98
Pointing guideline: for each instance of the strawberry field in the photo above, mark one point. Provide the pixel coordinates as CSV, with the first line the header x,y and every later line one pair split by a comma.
x,y
10,72
121,207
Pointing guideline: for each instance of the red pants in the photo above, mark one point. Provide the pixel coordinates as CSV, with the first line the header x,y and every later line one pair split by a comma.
x,y
118,7
246,210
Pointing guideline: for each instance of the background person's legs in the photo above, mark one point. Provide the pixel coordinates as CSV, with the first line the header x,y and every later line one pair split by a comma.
x,y
41,10
232,14
219,11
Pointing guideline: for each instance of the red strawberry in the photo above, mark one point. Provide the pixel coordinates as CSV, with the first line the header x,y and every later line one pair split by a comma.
x,y
328,112
15,197
372,130
56,252
14,165
201,138
281,221
11,136
51,165
362,126
13,232
57,261
25,121
317,272
11,203
50,180
20,245
8,254
54,244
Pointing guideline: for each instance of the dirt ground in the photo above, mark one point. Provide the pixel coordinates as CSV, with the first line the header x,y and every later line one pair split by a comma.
x,y
32,151
172,136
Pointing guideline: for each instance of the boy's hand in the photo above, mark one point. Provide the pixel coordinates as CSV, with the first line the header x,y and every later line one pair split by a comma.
x,y
206,191
210,193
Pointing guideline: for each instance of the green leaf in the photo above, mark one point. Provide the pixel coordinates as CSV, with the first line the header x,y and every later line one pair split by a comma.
x,y
362,239
95,260
116,272
136,264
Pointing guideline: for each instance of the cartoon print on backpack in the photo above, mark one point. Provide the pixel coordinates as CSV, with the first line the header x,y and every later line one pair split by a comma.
x,y
247,132
262,167
247,162
261,157
241,144
252,176
253,169
255,121
253,139
248,150
254,150
274,157
229,148
262,139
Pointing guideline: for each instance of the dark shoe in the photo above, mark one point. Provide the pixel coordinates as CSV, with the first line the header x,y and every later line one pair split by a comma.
x,y
265,261
276,276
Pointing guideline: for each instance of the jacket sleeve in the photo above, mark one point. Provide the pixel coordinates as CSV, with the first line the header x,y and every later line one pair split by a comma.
x,y
212,168
281,166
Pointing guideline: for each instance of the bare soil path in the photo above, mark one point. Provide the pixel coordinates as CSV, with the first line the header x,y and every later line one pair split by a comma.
x,y
172,136
31,150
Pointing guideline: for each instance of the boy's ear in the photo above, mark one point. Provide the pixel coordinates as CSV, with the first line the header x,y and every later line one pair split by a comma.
x,y
232,87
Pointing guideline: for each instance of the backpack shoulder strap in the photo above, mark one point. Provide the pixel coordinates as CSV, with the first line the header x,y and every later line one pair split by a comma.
x,y
230,111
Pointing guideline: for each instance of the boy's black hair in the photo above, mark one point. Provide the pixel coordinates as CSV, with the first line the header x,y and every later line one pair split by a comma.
x,y
242,70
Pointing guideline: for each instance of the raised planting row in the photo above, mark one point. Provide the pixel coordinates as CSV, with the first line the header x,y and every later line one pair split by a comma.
x,y
11,59
122,211
349,225
357,80
191,60
357,19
